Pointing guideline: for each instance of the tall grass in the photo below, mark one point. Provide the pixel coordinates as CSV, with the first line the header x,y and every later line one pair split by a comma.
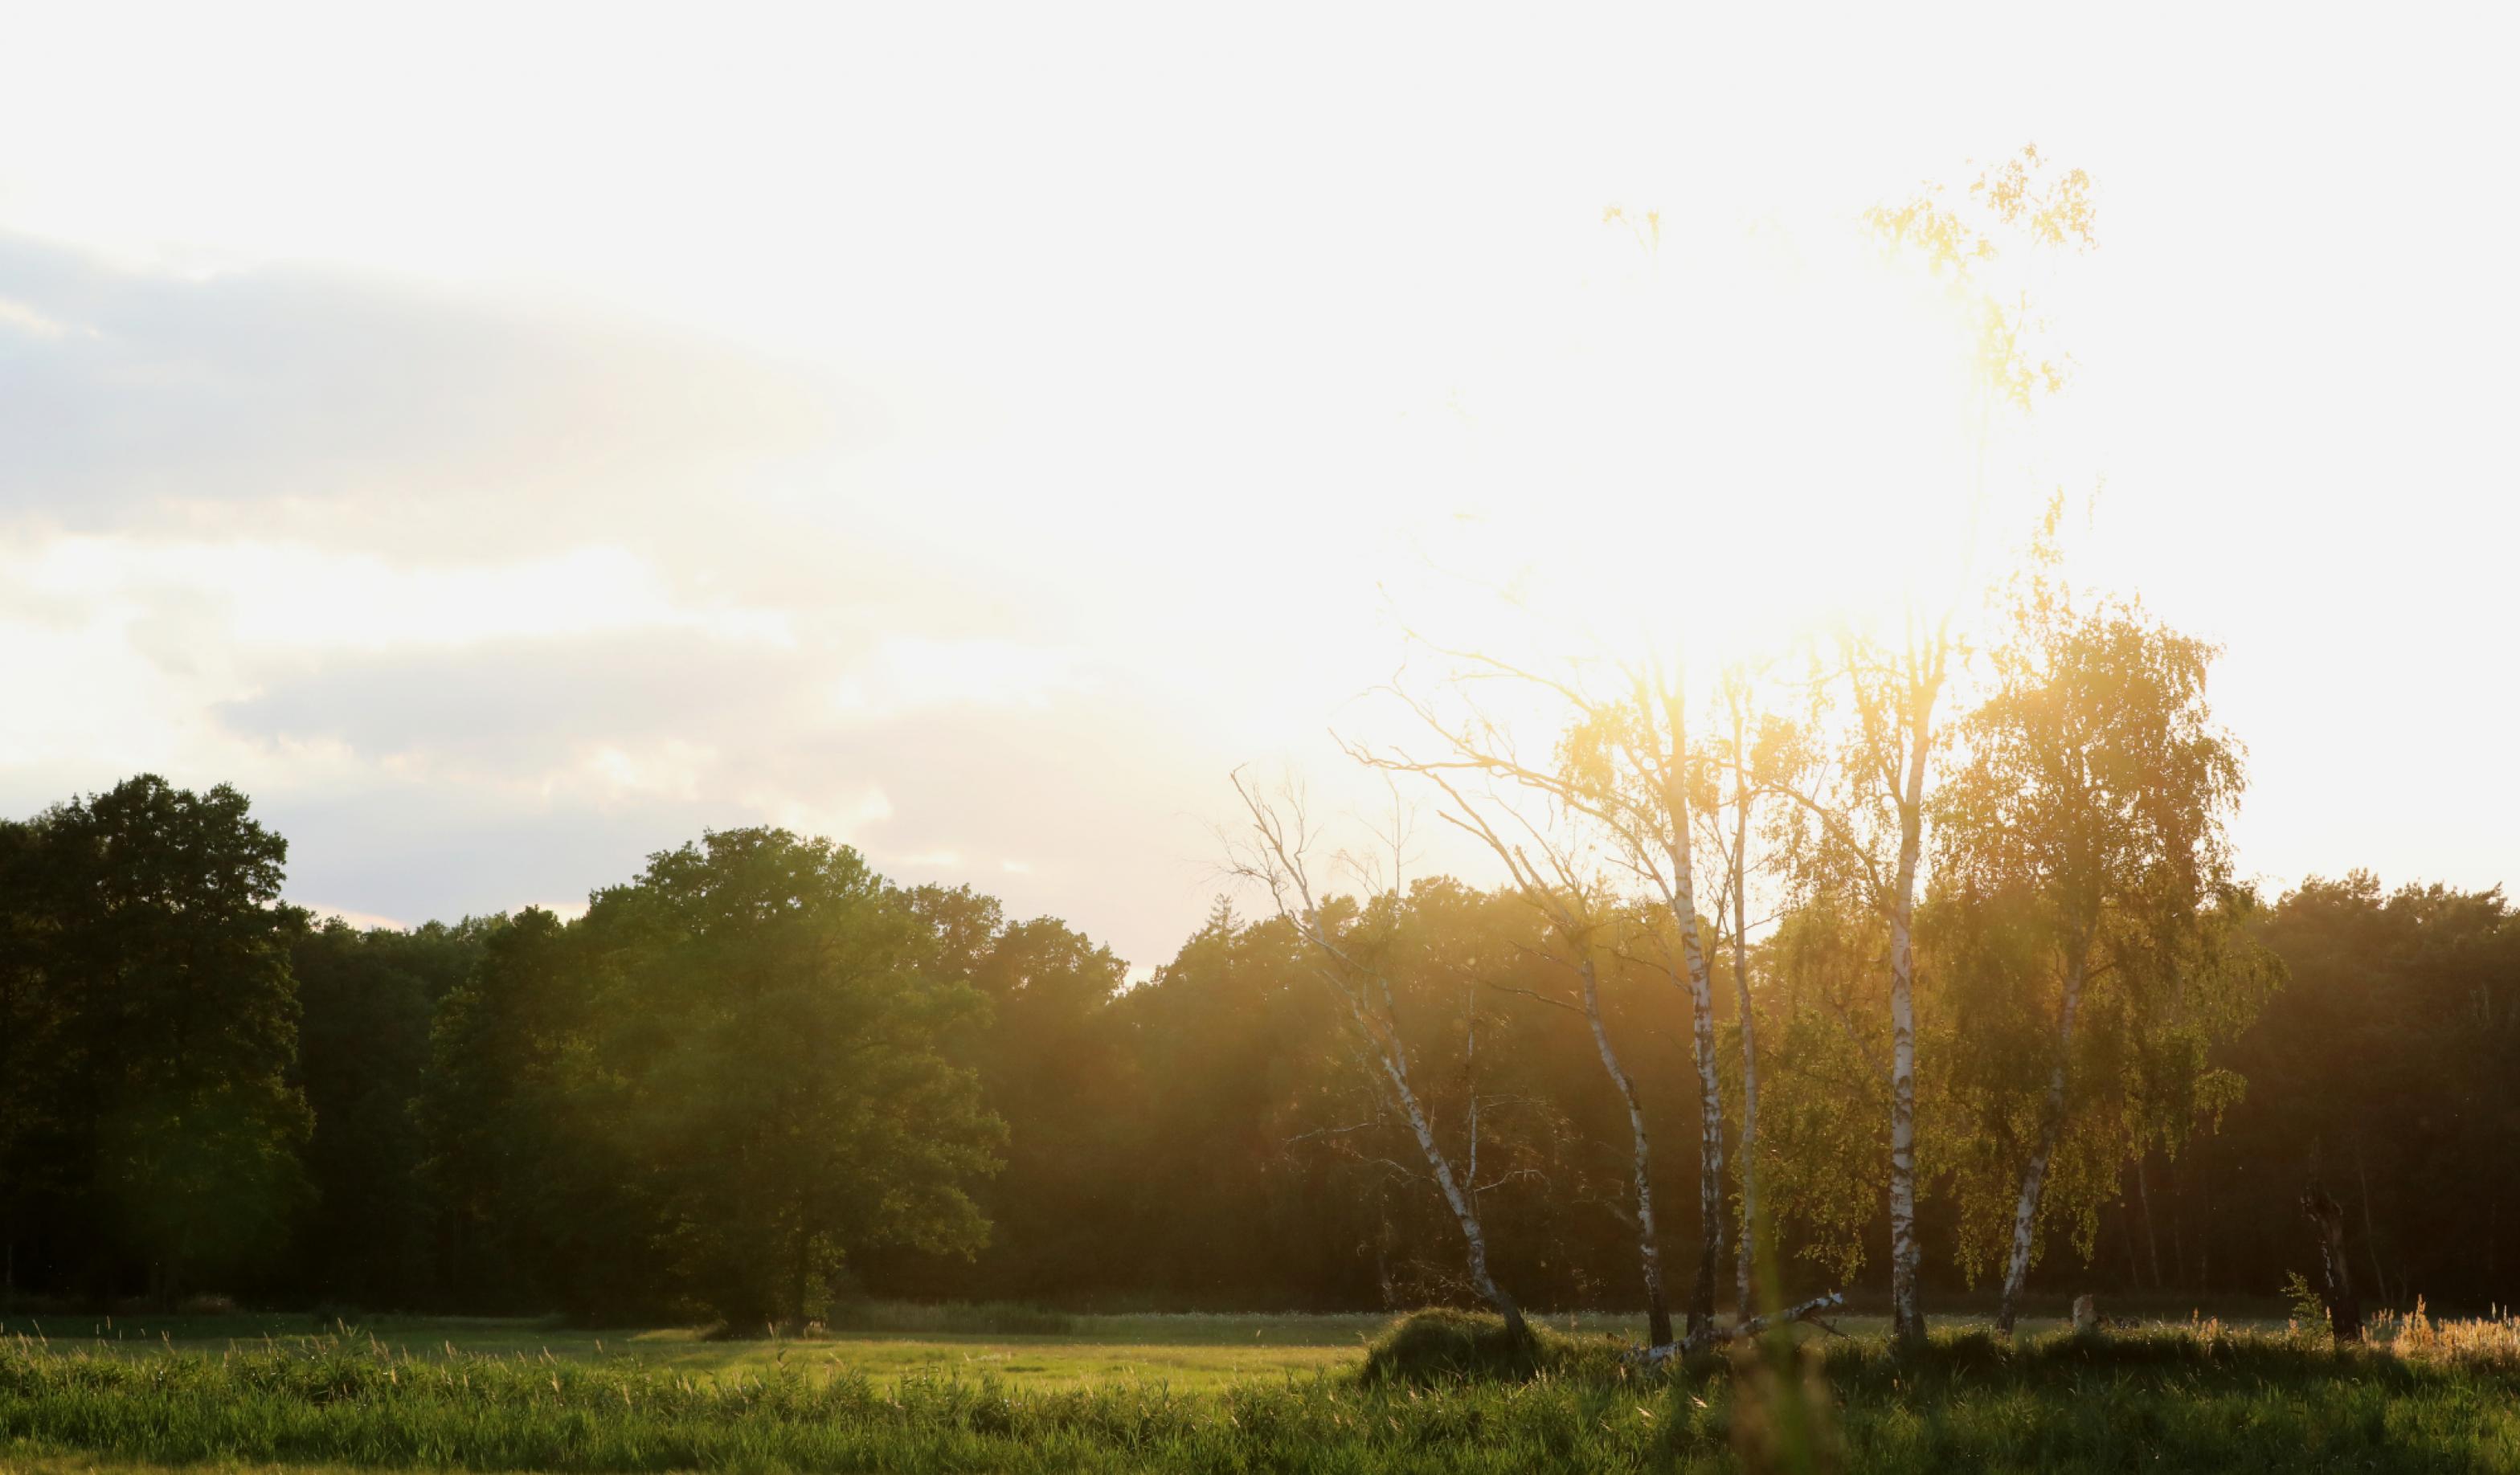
x,y
2173,1398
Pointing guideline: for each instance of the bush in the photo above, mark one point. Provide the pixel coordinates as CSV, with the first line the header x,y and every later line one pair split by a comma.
x,y
1442,1344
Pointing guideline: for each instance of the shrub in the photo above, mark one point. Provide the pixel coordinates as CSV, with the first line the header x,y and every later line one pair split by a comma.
x,y
1443,1345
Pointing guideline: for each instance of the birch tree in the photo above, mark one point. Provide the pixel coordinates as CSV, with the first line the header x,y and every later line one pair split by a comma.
x,y
1634,762
1862,824
2092,797
1871,829
1745,761
1278,854
1544,866
1624,765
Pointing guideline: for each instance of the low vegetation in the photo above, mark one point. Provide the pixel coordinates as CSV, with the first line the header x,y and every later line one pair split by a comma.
x,y
1438,1391
1445,1346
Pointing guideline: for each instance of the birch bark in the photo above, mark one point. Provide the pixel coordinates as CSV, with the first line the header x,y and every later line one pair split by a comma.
x,y
1275,859
1464,1209
1648,1241
2033,1177
1682,898
1748,1163
1906,1316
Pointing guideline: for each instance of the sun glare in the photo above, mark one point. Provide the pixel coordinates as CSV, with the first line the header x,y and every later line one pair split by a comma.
x,y
1807,398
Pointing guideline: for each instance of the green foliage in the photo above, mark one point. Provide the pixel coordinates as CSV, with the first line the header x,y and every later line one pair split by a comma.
x,y
367,999
1055,1063
2384,1068
2308,1306
723,1081
756,1085
542,1204
2093,948
1824,1103
147,1118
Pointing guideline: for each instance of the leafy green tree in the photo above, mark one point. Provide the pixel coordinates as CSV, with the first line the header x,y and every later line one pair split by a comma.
x,y
2083,850
783,1082
151,1115
1823,1138
1050,1061
2384,1073
366,1000
35,1074
540,1194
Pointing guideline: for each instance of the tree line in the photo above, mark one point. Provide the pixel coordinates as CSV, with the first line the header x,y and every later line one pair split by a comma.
x,y
1927,999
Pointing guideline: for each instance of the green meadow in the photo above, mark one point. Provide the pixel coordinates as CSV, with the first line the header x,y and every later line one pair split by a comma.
x,y
941,1389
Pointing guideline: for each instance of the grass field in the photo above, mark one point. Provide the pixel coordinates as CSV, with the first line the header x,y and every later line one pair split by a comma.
x,y
941,1389
1184,1352
1020,1345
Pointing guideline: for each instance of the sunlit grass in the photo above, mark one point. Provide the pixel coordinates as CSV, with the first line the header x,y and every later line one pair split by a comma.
x,y
2429,1395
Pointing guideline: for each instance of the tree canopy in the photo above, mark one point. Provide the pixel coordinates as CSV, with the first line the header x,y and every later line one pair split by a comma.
x,y
756,1080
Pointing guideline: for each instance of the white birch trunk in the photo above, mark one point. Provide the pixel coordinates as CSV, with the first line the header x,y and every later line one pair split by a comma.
x,y
2033,1177
1906,1316
1702,1007
1464,1210
1648,1241
1710,1151
1748,1162
1276,859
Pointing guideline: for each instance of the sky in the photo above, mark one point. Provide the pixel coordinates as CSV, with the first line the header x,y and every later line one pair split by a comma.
x,y
507,442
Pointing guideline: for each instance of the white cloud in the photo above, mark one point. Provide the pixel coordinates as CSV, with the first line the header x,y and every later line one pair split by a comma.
x,y
19,317
909,673
255,597
842,815
672,769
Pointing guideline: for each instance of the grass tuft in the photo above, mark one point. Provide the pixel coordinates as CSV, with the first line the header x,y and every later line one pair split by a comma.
x,y
1442,1344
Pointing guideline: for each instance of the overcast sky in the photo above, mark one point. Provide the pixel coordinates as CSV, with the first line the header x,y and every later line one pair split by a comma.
x,y
505,441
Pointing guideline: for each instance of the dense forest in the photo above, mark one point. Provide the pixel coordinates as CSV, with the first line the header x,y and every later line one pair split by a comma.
x,y
757,1079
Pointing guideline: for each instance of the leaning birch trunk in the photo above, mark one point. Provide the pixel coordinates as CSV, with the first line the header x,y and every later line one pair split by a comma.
x,y
1747,1160
1701,1009
2033,1177
1464,1211
1906,1316
1277,861
1648,1242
